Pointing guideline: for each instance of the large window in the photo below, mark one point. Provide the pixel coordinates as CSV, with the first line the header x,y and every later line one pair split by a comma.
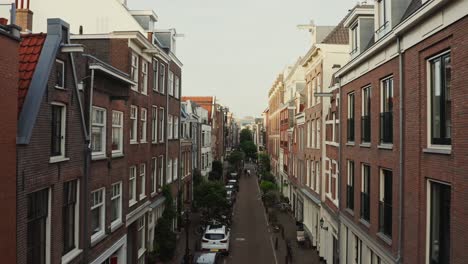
x,y
134,123
170,127
440,100
176,87
132,186
365,118
143,117
144,76
175,169
57,146
365,192
59,74
350,186
169,171
116,204
155,76
117,132
134,71
385,202
170,88
176,127
161,171
154,176
70,216
386,114
439,217
154,124
142,181
350,130
38,229
354,39
163,79
98,131
161,125
141,241
97,214
384,18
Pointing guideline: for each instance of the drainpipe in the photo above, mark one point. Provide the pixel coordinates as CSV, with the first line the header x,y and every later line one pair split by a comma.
x,y
339,156
401,147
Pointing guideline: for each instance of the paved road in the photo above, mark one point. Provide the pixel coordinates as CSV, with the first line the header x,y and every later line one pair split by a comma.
x,y
250,238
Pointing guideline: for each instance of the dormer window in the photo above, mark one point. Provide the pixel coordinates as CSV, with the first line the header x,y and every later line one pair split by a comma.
x,y
60,74
383,7
354,39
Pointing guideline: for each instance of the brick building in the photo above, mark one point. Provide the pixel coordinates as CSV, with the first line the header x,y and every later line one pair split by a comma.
x,y
275,100
10,42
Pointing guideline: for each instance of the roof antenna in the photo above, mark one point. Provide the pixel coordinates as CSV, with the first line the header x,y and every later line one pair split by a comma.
x,y
81,30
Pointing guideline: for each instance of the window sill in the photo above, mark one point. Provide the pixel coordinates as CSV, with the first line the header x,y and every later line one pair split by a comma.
x,y
153,194
143,141
117,155
132,203
133,142
350,143
71,255
141,252
142,197
98,157
96,238
442,151
364,222
349,211
116,225
57,159
365,145
385,146
385,238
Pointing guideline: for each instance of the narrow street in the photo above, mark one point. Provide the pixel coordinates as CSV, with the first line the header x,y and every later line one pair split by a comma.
x,y
250,238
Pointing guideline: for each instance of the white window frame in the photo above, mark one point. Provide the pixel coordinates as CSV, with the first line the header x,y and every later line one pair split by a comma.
x,y
170,88
134,70
102,204
176,127
318,130
170,127
318,176
63,74
142,181
169,171
117,222
163,79
354,39
62,156
72,254
175,169
161,165
154,176
132,183
144,76
141,228
134,125
154,124
118,151
176,86
144,124
155,76
96,109
162,128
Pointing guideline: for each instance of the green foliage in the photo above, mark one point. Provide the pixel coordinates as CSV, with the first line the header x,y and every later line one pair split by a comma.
x,y
271,198
249,148
245,135
214,176
267,186
165,238
211,195
197,177
235,159
217,166
267,176
264,162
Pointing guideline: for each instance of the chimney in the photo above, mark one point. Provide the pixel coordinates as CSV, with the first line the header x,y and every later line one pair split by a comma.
x,y
24,16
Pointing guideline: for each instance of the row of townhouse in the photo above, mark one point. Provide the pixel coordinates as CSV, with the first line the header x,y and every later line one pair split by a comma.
x,y
366,134
92,133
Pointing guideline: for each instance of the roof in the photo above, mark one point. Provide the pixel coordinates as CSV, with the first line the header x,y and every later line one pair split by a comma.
x,y
204,101
413,6
29,52
339,35
216,229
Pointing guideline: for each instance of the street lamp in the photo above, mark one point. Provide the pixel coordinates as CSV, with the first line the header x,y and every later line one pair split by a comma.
x,y
321,225
187,225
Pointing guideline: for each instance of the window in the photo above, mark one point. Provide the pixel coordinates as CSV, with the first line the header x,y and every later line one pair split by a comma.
x,y
354,39
142,181
319,143
141,242
98,131
439,217
170,127
176,127
59,74
170,87
116,204
384,17
154,170
161,125
144,76
386,114
313,134
154,124
38,228
134,71
132,186
365,193
70,216
117,132
350,186
97,214
365,118
309,130
155,76
175,169
385,202
319,176
161,171
163,79
440,100
58,130
143,125
177,87
169,172
350,131
134,120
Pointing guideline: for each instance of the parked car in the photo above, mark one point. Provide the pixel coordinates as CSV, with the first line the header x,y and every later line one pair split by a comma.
x,y
206,258
231,188
231,197
235,183
216,239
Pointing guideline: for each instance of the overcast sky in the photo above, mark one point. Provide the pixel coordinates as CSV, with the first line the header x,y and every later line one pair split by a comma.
x,y
235,49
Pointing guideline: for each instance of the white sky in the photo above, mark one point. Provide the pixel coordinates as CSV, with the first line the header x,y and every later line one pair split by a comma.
x,y
235,49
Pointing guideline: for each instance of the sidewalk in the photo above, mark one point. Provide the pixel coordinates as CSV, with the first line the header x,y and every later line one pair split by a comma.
x,y
194,240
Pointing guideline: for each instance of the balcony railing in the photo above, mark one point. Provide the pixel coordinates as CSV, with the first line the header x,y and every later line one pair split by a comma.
x,y
383,30
365,128
350,129
365,206
385,218
386,127
350,197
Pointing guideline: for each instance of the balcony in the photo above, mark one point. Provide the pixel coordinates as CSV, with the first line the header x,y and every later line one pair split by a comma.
x,y
350,129
350,197
365,206
386,127
365,128
382,30
385,218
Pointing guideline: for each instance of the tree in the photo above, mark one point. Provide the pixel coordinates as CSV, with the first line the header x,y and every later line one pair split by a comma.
x,y
235,159
264,161
217,166
197,177
267,186
211,195
250,149
245,135
165,238
214,176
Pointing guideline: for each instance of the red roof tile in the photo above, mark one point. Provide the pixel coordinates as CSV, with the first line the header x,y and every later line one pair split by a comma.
x,y
204,101
29,51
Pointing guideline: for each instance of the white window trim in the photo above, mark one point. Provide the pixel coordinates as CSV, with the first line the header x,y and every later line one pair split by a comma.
x,y
176,127
142,181
118,152
100,154
63,74
176,86
144,124
101,233
72,254
155,76
134,125
133,201
354,52
154,124
144,76
162,128
62,157
135,68
161,171
154,175
170,127
118,222
163,79
175,169
141,251
169,171
170,88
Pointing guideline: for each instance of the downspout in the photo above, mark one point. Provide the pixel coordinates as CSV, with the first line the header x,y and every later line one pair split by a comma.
x,y
401,146
339,157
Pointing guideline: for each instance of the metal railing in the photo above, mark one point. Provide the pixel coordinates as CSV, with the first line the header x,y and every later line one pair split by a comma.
x,y
350,197
385,218
365,206
365,128
386,127
350,129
